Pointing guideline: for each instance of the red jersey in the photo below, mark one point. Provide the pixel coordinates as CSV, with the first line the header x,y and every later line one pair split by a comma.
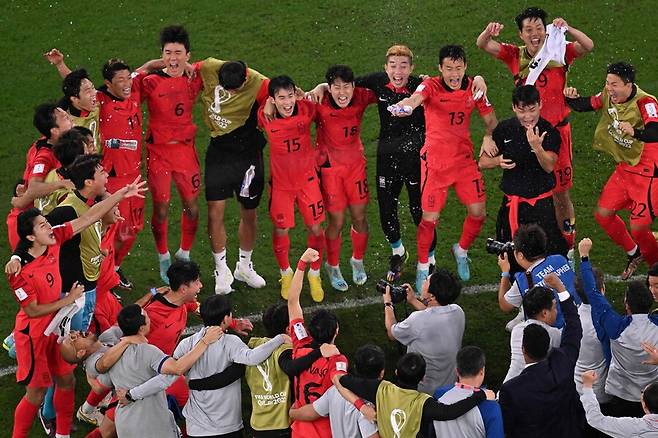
x,y
108,276
551,81
339,129
292,156
40,280
120,127
312,383
168,322
448,120
170,102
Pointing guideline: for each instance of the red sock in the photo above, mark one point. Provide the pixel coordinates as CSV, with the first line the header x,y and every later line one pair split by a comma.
x,y
94,399
570,238
470,230
281,246
123,251
159,230
317,243
615,228
188,228
424,237
23,418
96,433
63,401
359,244
333,250
648,245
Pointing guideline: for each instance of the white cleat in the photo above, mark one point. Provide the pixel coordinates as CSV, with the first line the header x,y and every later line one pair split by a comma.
x,y
223,281
248,274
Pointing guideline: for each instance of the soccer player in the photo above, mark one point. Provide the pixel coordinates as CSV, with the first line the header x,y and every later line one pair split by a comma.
x,y
323,328
627,130
231,96
343,170
170,96
447,157
37,289
80,99
552,80
294,179
51,122
119,117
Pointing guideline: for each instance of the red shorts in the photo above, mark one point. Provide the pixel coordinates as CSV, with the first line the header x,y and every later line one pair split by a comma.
x,y
309,203
132,209
12,231
39,360
343,186
636,192
465,178
110,412
106,311
173,160
563,168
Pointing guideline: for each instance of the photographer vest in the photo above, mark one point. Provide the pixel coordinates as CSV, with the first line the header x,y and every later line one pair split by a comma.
x,y
399,411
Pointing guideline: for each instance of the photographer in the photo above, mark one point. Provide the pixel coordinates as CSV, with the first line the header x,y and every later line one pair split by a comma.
x,y
531,254
435,314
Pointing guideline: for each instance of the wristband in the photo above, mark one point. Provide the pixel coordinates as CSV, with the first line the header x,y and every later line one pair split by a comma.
x,y
301,265
154,291
504,275
234,324
15,257
582,259
129,397
358,404
388,304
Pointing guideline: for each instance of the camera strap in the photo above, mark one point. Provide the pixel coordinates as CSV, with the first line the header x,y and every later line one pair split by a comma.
x,y
531,283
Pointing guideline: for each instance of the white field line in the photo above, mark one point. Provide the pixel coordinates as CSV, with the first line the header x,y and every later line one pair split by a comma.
x,y
351,304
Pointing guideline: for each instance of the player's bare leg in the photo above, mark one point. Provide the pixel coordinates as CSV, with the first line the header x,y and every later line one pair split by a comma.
x,y
244,268
281,246
424,238
476,213
217,235
316,240
615,228
359,235
335,222
189,225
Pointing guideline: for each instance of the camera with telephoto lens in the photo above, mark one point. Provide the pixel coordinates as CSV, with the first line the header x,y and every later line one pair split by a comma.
x,y
498,248
398,293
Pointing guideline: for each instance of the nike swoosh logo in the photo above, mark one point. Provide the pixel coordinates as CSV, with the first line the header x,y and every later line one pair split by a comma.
x,y
444,100
162,95
333,115
413,183
382,99
275,130
506,141
253,197
167,326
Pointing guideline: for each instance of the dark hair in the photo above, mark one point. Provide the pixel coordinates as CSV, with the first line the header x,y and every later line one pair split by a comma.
x,y
598,279
650,397
175,34
69,146
536,342
445,286
130,319
339,71
525,95
182,272
453,52
44,118
369,361
232,74
638,297
538,298
72,82
323,326
530,240
532,13
112,66
86,132
275,319
25,224
624,70
410,369
83,168
470,361
280,82
214,309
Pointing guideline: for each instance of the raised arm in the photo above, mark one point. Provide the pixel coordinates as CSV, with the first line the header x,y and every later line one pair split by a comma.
x,y
56,58
294,307
582,43
485,40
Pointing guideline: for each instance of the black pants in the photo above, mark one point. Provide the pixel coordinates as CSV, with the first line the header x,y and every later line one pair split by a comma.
x,y
395,171
618,407
281,433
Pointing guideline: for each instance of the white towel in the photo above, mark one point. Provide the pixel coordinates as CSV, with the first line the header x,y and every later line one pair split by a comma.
x,y
61,323
554,49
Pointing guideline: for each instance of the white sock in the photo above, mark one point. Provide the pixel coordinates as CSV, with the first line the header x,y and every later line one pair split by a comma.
x,y
631,252
314,272
57,435
431,260
400,250
285,271
461,252
164,256
220,259
423,266
87,408
245,257
182,254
